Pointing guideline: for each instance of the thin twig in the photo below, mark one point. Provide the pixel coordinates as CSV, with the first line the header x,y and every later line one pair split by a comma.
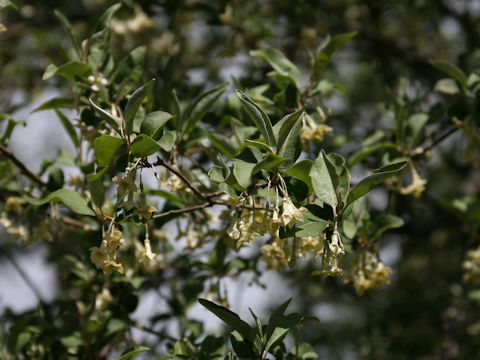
x,y
26,171
24,276
436,142
74,222
160,334
196,164
182,177
184,210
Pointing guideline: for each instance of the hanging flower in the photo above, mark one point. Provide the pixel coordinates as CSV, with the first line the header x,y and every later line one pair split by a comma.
x,y
126,183
291,213
313,131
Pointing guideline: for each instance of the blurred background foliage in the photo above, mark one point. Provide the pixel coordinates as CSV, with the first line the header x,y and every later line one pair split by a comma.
x,y
427,312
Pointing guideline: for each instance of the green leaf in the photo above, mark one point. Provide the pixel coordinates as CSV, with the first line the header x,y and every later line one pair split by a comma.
x,y
278,334
324,180
7,3
223,144
70,31
68,128
104,20
153,124
131,352
305,351
312,226
415,129
55,103
134,103
243,165
128,72
280,64
289,137
259,117
276,316
323,58
212,347
352,219
447,86
271,161
378,177
70,199
382,224
364,152
342,173
301,170
245,349
218,174
144,145
199,107
230,318
168,140
105,146
95,186
109,118
451,70
71,70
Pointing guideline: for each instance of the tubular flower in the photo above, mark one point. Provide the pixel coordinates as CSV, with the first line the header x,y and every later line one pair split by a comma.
x,y
417,187
309,244
291,213
99,255
332,255
103,257
126,183
14,204
149,261
313,131
275,255
371,274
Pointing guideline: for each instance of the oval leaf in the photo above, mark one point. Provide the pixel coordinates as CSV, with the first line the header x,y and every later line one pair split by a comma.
x,y
144,145
378,176
70,199
105,146
229,317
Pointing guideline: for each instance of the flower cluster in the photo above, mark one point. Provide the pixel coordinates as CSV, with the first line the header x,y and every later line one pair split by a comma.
x,y
255,223
104,257
472,266
277,254
315,131
371,273
172,181
332,256
137,24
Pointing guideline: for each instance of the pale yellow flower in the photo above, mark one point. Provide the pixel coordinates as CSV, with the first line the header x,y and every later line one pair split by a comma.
x,y
313,131
291,213
472,266
126,183
99,255
417,187
114,239
14,204
145,212
371,274
233,231
103,299
309,244
110,266
274,256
